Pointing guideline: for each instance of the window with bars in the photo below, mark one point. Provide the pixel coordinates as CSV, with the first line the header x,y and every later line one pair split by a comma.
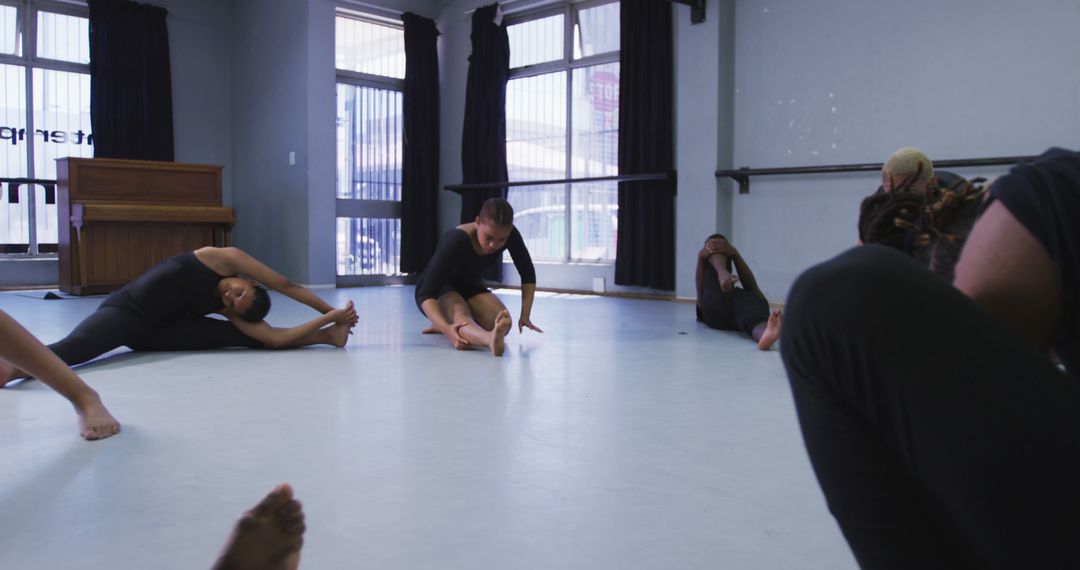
x,y
370,62
562,122
44,114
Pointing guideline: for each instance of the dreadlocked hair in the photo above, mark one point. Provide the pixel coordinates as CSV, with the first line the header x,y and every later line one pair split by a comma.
x,y
908,220
888,218
944,204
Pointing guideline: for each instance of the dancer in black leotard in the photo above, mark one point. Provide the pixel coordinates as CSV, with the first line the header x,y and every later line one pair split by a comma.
x,y
725,306
451,294
166,307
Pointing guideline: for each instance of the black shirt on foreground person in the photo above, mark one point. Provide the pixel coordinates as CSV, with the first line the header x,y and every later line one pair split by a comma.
x,y
166,308
940,432
451,294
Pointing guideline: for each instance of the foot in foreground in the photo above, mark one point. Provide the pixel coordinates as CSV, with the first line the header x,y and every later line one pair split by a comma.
x,y
95,422
503,321
772,331
268,537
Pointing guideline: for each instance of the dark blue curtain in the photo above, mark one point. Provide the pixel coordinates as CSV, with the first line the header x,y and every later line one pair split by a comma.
x,y
483,138
420,160
130,81
645,253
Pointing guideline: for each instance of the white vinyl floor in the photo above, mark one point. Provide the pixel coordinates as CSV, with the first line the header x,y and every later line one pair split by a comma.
x,y
627,436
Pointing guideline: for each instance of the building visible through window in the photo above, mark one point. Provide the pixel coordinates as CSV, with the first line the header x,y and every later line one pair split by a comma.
x,y
44,113
562,122
370,62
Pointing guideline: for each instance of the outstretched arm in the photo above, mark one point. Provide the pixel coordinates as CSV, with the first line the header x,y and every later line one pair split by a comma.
x,y
236,261
523,262
528,292
275,337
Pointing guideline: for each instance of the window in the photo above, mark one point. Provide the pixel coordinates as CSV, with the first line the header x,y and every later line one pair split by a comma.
x,y
370,62
44,113
562,122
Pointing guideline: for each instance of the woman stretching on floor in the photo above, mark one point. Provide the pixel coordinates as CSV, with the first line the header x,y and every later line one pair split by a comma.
x,y
721,305
450,292
166,307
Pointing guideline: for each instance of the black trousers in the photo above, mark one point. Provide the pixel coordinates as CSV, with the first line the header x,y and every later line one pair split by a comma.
x,y
114,325
940,437
736,310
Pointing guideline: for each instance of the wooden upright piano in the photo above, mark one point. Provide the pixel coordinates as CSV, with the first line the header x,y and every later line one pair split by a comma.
x,y
117,218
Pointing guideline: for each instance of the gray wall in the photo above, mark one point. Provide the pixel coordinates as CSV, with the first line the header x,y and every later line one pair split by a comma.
x,y
200,62
853,80
269,119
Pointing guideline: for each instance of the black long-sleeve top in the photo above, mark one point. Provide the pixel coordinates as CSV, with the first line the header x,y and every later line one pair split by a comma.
x,y
455,261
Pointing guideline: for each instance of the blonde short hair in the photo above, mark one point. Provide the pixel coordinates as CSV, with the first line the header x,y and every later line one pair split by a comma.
x,y
906,162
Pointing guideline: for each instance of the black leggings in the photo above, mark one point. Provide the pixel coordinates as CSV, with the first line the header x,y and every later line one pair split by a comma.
x,y
940,437
113,326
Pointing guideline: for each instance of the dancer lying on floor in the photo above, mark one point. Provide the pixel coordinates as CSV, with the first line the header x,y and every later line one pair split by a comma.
x,y
166,308
940,432
723,305
450,292
19,349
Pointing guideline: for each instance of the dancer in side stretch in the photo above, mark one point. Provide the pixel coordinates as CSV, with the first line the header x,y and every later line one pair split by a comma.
x,y
166,308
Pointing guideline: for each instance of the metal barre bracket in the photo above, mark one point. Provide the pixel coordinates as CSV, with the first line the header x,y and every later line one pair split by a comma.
x,y
697,9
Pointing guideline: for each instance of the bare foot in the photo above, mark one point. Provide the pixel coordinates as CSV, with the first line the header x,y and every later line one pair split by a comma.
x,y
498,334
339,334
772,331
268,537
726,285
431,330
95,422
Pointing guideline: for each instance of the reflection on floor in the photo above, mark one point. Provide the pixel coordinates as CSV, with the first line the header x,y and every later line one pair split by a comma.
x,y
627,436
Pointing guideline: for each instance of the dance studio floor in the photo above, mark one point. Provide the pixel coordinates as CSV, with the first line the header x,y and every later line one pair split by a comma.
x,y
625,437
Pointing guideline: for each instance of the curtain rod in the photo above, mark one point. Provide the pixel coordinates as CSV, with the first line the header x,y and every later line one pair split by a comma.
x,y
516,5
387,12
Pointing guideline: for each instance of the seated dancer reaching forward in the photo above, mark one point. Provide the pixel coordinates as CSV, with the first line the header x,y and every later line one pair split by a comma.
x,y
723,305
450,292
166,307
941,433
